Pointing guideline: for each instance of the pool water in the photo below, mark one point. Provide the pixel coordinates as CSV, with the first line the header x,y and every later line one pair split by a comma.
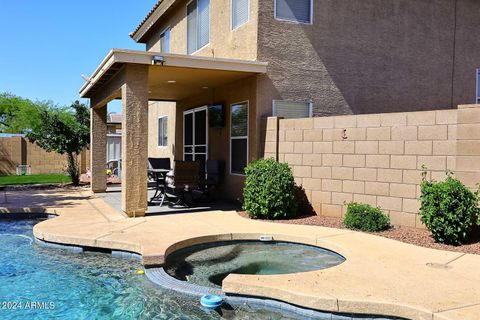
x,y
43,283
208,264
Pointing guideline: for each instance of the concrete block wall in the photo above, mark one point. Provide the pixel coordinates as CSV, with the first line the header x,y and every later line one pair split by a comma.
x,y
16,150
377,158
43,162
11,154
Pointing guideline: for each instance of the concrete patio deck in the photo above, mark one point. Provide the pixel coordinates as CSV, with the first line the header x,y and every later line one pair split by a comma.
x,y
113,197
380,276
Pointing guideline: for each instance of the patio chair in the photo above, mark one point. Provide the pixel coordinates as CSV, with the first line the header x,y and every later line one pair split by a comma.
x,y
114,167
186,178
213,177
158,177
159,163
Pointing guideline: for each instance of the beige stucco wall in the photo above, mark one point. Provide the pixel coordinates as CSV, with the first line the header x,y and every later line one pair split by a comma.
x,y
372,56
380,160
357,56
224,43
155,111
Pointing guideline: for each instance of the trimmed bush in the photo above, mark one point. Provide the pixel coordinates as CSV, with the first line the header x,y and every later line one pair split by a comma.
x,y
364,217
269,191
448,209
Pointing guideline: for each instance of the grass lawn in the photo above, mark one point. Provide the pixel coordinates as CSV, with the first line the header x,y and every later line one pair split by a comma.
x,y
34,179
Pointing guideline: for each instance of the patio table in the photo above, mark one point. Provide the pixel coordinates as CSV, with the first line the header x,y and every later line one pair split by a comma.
x,y
160,184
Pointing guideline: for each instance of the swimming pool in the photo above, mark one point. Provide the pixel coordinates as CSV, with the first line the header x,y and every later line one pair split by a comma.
x,y
208,264
39,283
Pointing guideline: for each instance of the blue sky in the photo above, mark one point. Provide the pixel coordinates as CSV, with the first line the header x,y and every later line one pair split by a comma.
x,y
46,45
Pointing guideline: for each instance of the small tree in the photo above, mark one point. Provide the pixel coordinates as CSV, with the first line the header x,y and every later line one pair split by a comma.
x,y
65,131
20,115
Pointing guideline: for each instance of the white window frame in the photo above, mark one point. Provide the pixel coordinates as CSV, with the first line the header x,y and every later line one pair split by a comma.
x,y
477,100
115,135
202,108
309,102
158,131
169,42
293,21
247,102
209,26
231,16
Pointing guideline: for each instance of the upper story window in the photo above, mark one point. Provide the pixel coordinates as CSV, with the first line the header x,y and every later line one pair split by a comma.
x,y
239,12
478,86
198,25
163,131
294,10
165,41
292,109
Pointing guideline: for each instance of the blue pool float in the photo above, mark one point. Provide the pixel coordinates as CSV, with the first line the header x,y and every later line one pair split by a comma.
x,y
211,301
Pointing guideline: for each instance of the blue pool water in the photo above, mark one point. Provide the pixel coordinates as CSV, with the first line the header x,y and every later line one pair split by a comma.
x,y
208,264
43,283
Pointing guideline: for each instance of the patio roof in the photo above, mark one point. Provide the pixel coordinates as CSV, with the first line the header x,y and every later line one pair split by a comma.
x,y
138,77
177,77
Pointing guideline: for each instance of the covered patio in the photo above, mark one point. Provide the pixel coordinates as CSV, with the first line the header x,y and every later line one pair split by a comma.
x,y
137,77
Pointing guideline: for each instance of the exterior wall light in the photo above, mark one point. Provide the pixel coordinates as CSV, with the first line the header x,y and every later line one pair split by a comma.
x,y
158,60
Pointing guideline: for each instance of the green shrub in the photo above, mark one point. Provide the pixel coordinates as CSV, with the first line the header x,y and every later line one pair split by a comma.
x,y
448,209
364,217
269,191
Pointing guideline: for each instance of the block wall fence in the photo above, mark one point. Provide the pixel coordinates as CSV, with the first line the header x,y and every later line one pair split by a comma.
x,y
377,158
15,151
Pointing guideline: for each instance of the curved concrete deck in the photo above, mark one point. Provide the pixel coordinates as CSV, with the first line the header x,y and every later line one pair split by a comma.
x,y
380,276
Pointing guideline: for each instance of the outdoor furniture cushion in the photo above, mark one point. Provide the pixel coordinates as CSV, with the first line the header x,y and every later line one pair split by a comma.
x,y
186,174
159,163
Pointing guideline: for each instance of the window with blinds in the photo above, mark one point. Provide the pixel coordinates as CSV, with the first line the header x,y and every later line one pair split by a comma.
x,y
239,138
163,131
198,25
294,10
239,13
478,86
114,147
165,41
292,109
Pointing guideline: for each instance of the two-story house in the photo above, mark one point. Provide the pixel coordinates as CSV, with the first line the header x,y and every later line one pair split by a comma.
x,y
227,64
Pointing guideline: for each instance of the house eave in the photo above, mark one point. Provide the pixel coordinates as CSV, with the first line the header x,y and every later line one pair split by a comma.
x,y
117,58
158,11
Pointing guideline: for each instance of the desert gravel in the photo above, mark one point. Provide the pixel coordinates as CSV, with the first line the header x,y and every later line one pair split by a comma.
x,y
418,237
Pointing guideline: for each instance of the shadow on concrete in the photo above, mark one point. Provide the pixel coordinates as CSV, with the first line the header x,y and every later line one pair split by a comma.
x,y
113,197
41,198
220,205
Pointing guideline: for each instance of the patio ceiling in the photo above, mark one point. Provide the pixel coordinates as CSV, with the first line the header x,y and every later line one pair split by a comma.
x,y
179,77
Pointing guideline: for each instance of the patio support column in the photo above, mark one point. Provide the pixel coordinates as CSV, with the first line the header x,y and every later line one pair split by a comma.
x,y
135,140
98,148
